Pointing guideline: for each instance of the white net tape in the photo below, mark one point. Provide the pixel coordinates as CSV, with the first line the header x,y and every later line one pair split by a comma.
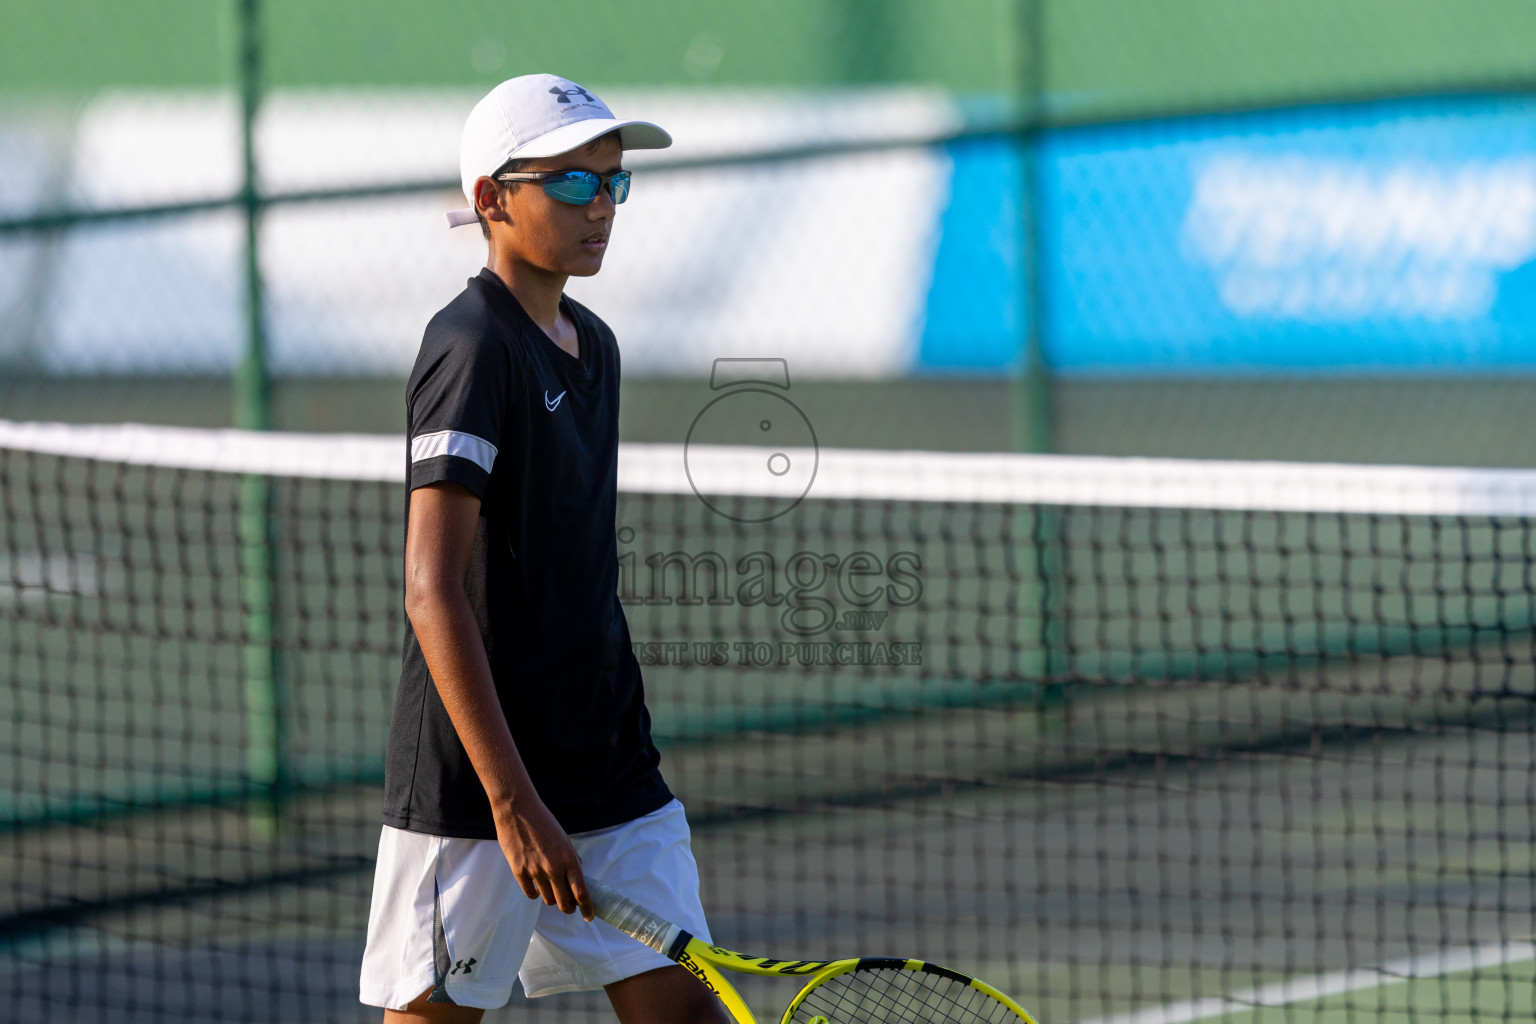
x,y
850,474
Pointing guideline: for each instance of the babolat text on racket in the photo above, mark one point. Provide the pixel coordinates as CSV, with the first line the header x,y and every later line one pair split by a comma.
x,y
868,990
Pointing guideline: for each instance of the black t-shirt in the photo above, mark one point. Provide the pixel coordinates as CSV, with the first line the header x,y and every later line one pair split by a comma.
x,y
496,406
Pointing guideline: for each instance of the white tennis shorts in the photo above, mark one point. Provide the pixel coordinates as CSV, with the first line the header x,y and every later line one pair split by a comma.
x,y
448,916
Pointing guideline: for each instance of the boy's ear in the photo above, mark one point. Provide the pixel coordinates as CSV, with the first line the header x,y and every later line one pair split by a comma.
x,y
488,200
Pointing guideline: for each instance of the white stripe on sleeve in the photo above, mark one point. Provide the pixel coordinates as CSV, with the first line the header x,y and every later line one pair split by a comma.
x,y
453,442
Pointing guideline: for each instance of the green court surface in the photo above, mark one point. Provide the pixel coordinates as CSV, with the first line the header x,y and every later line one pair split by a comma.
x,y
1507,992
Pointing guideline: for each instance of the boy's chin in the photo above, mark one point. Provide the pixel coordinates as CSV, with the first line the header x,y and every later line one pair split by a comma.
x,y
585,268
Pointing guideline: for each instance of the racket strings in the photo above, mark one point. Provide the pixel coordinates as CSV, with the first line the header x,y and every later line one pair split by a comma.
x,y
893,996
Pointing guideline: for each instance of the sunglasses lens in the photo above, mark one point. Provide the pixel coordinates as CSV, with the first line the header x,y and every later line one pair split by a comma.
x,y
618,186
578,188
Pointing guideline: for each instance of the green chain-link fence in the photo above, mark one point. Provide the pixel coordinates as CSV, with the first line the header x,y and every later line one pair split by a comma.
x,y
888,249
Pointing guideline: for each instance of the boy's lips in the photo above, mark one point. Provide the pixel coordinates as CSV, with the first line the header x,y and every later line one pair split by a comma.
x,y
596,243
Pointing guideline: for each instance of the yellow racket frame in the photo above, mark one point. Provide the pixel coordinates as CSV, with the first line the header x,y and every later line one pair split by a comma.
x,y
705,962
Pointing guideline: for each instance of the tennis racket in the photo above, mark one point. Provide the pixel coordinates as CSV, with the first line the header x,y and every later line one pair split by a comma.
x,y
868,990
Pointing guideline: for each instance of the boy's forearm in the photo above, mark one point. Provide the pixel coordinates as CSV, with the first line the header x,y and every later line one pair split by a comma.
x,y
541,856
450,639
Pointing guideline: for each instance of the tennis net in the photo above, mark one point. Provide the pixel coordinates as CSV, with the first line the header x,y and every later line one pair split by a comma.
x,y
1136,740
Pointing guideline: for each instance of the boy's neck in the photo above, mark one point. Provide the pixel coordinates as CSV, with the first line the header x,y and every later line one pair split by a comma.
x,y
537,291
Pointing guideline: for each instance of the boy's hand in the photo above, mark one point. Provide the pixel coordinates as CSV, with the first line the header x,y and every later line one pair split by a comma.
x,y
542,858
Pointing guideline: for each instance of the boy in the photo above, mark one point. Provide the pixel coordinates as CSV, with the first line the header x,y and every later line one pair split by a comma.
x,y
519,754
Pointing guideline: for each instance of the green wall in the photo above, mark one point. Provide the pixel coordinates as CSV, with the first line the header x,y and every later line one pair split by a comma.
x,y
1150,55
1104,56
471,42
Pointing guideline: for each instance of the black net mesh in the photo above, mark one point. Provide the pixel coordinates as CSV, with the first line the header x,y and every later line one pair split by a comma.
x,y
899,996
1110,759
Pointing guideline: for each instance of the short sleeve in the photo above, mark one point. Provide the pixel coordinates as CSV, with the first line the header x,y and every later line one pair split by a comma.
x,y
457,402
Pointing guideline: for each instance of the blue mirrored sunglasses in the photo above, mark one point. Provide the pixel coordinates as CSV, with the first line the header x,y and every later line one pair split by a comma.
x,y
575,187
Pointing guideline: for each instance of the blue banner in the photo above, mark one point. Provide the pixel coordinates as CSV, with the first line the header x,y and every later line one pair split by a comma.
x,y
1387,237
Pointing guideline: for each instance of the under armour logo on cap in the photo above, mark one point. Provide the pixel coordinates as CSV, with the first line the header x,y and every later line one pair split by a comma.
x,y
564,95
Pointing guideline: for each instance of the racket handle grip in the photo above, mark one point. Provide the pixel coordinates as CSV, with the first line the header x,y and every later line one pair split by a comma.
x,y
633,919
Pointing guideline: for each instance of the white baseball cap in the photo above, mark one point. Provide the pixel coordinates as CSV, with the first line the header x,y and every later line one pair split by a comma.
x,y
536,116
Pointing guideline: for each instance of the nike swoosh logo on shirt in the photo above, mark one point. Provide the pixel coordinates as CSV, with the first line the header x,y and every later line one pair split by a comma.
x,y
552,404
